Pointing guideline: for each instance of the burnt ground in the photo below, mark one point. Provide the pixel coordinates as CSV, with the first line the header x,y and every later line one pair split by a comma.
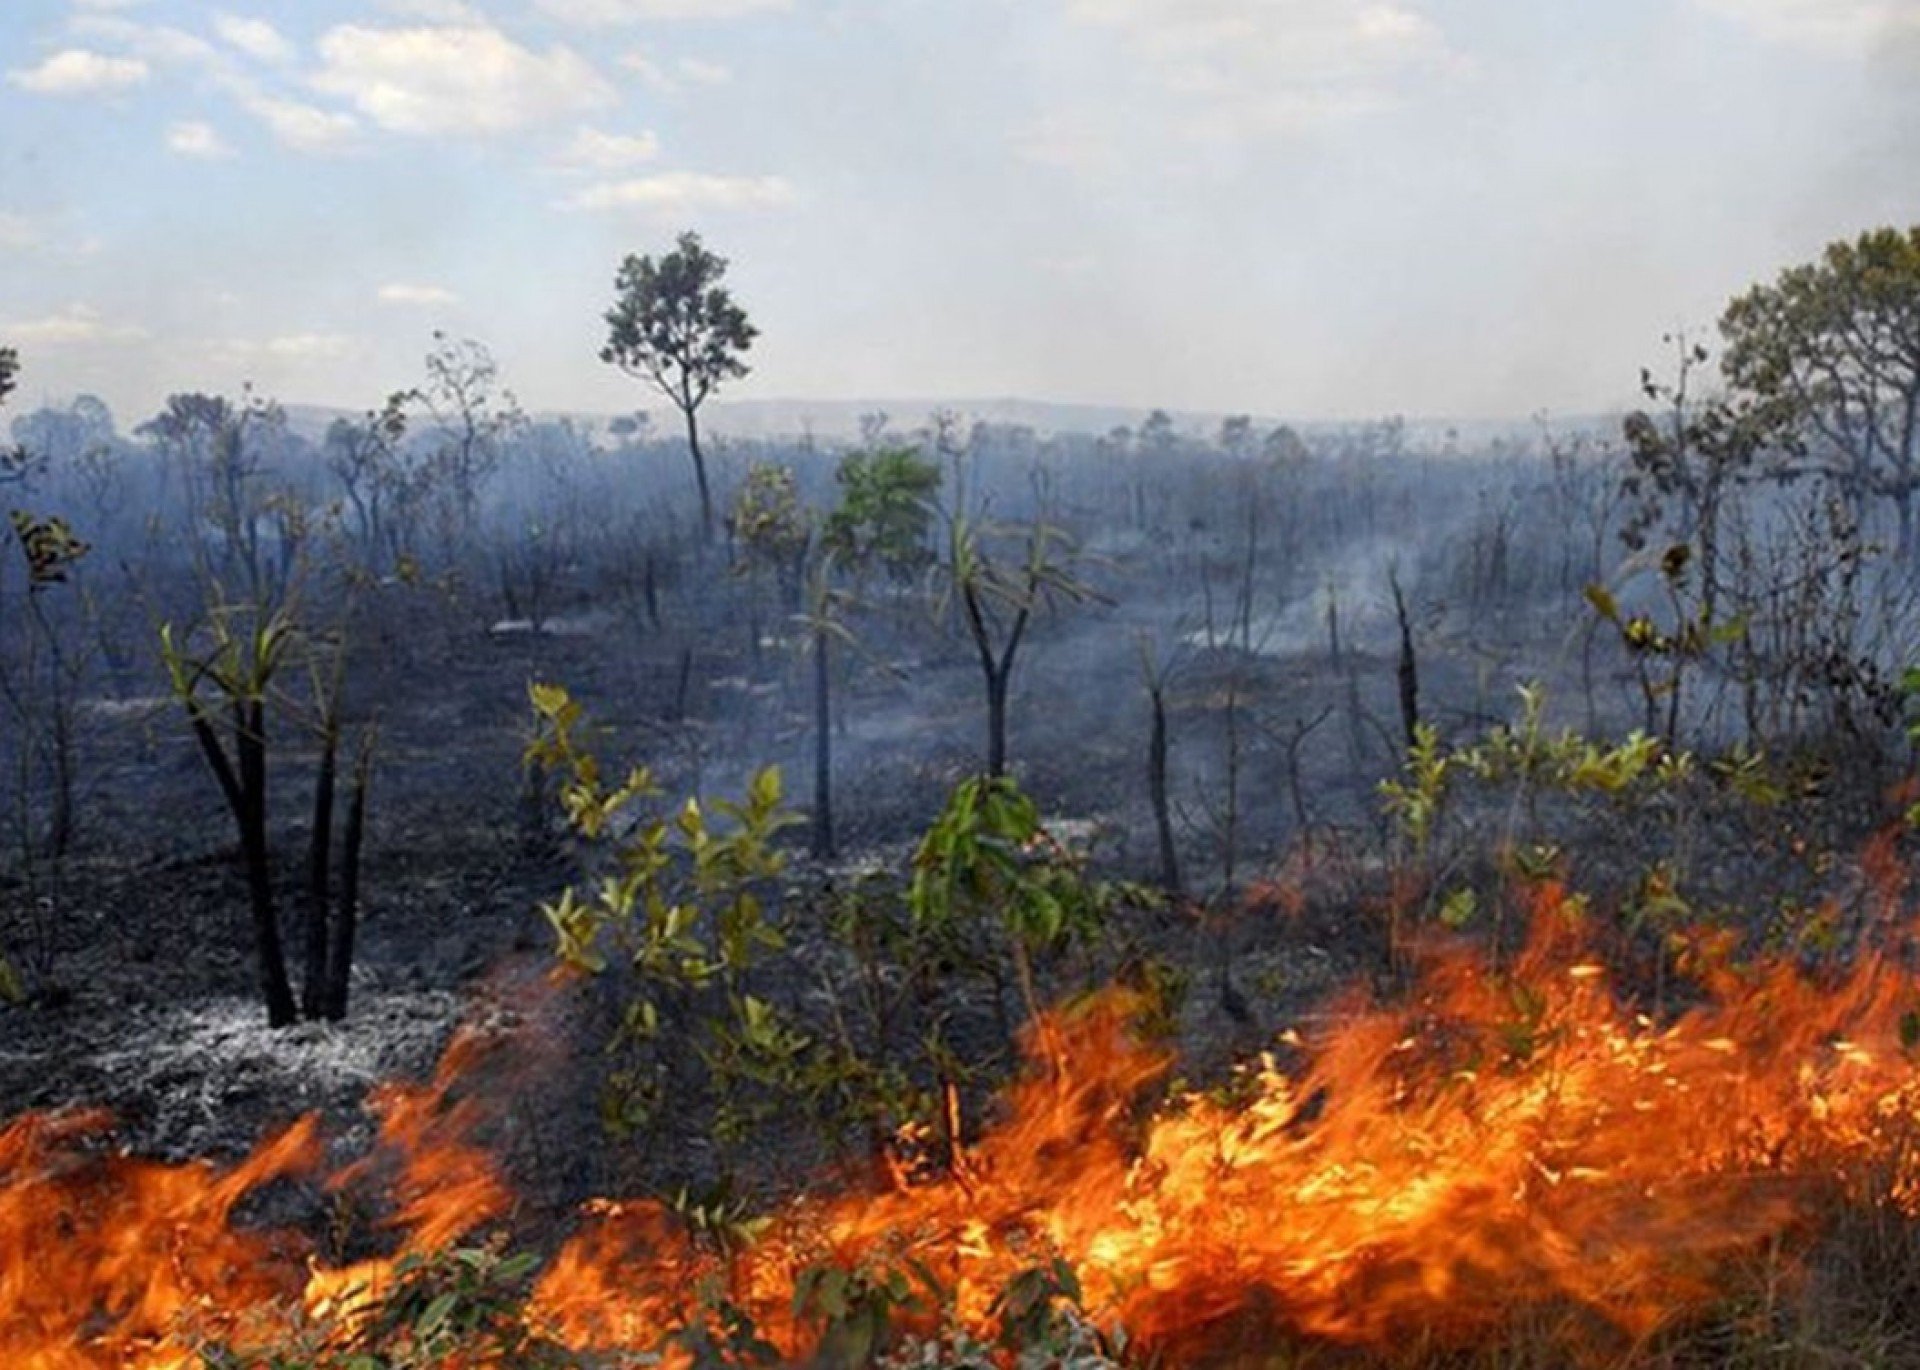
x,y
142,974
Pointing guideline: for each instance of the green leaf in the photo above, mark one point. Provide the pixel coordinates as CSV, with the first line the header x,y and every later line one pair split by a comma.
x,y
436,1314
1459,908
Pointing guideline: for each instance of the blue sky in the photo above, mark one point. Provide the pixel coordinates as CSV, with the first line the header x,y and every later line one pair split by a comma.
x,y
1304,208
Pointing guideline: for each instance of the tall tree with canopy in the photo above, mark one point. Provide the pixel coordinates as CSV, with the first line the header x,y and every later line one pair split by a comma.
x,y
676,327
1832,347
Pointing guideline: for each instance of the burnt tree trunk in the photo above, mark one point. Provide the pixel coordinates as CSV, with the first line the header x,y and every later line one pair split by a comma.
x,y
346,913
243,781
1409,671
313,989
1157,793
700,475
822,747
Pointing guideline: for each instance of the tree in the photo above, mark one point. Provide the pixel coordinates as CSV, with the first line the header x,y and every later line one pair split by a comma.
x,y
476,418
225,672
15,462
997,603
365,458
1833,347
885,513
675,326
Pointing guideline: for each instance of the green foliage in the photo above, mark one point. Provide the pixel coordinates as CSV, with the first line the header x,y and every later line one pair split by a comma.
x,y
461,1304
773,526
987,856
49,547
236,654
857,1312
1414,801
1828,350
682,906
886,512
464,1306
674,324
1527,754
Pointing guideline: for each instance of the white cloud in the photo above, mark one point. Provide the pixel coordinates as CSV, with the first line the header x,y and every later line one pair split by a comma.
x,y
648,70
1827,24
434,11
76,325
255,37
300,126
107,4
678,192
197,139
292,349
77,71
158,43
439,80
1264,67
600,13
295,124
595,150
400,293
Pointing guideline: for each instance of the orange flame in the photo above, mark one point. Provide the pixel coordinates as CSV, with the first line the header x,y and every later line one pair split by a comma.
x,y
1496,1143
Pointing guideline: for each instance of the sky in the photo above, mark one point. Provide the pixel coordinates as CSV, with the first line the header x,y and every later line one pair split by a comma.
x,y
1308,209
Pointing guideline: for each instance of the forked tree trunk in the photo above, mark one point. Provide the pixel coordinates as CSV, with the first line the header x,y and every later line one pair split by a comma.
x,y
245,788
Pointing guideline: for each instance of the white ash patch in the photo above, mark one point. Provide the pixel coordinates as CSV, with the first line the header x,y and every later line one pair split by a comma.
x,y
593,624
139,708
203,1064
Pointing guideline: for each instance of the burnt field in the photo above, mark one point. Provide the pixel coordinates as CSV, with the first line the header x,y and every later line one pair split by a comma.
x,y
982,896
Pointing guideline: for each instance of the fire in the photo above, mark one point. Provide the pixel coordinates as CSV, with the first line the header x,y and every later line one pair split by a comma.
x,y
1493,1146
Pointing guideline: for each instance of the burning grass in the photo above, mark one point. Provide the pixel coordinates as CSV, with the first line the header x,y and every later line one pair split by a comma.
x,y
1498,1168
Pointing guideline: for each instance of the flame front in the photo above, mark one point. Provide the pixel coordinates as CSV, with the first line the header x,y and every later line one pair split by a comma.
x,y
1493,1147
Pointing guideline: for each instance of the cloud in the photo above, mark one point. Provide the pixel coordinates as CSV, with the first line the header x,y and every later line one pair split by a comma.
x,y
594,150
1264,67
294,123
678,192
452,80
434,11
255,37
77,71
420,296
1840,25
76,325
159,43
194,138
604,13
300,126
642,65
296,349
